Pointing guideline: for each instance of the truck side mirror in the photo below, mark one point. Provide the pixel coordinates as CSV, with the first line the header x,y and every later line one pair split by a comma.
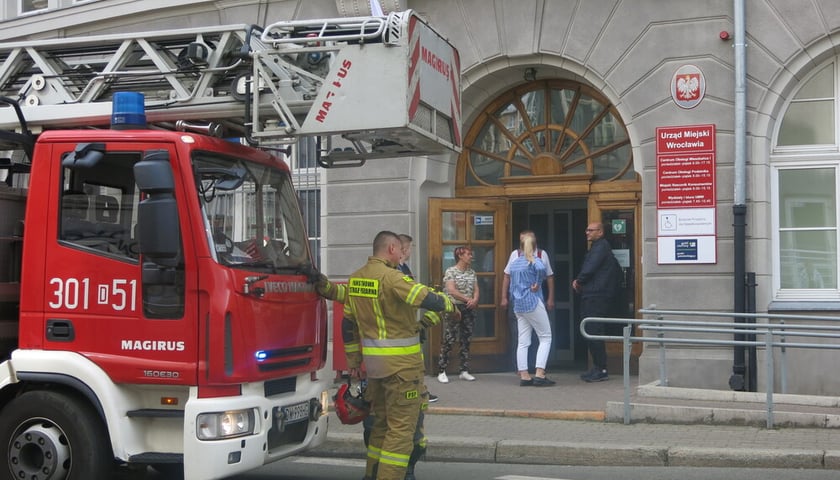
x,y
86,155
158,229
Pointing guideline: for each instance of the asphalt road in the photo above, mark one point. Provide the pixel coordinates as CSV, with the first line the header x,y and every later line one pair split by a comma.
x,y
319,468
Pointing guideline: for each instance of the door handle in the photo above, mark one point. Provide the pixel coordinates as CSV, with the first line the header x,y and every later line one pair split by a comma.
x,y
60,330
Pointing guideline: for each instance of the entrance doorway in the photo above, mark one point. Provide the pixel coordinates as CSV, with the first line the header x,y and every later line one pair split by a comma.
x,y
555,222
549,156
492,227
559,226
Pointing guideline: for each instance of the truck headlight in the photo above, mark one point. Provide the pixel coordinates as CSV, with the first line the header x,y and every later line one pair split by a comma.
x,y
220,425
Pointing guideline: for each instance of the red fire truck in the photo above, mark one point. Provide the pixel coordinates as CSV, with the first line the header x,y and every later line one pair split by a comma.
x,y
156,297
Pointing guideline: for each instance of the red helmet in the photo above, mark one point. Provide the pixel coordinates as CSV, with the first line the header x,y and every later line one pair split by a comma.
x,y
349,408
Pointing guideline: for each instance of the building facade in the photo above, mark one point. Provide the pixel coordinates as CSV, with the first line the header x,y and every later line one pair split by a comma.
x,y
619,111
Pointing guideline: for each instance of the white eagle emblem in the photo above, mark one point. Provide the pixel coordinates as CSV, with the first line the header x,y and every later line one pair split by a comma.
x,y
688,87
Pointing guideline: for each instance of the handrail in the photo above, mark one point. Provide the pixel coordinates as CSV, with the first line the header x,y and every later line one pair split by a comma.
x,y
364,29
774,337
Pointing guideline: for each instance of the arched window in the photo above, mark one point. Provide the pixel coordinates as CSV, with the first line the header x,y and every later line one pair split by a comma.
x,y
551,129
805,164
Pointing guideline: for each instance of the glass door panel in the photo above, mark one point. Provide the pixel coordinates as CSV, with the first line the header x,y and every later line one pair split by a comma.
x,y
481,224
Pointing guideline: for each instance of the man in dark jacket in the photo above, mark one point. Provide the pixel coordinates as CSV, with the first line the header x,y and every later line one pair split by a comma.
x,y
597,283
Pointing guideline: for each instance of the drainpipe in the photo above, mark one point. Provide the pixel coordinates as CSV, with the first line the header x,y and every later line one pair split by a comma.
x,y
739,207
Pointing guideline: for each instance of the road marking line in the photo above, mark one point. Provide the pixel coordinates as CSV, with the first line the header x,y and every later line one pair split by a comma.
x,y
339,462
520,477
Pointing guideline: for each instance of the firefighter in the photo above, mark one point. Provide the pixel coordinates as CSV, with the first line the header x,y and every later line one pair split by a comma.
x,y
419,449
381,327
337,292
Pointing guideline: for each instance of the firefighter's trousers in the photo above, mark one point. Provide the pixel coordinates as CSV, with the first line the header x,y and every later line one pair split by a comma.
x,y
397,401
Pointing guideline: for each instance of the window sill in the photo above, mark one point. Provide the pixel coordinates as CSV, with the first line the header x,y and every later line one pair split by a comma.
x,y
804,306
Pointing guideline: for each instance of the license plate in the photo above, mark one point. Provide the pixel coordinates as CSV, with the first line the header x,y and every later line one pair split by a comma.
x,y
298,412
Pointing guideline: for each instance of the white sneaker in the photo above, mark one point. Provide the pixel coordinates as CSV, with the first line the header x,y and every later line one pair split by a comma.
x,y
466,376
442,378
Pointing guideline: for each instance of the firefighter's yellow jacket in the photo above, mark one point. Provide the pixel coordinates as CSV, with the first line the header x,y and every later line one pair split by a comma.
x,y
380,318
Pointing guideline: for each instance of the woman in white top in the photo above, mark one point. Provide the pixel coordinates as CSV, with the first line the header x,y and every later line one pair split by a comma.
x,y
527,273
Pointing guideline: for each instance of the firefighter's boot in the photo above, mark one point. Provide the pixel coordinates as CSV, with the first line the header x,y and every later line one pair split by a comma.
x,y
409,473
416,454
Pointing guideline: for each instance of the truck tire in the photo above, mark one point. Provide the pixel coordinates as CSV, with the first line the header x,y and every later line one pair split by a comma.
x,y
53,435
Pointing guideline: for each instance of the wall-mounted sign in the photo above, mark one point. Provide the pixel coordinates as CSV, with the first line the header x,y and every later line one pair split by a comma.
x,y
623,256
686,221
685,180
688,86
676,250
685,194
687,139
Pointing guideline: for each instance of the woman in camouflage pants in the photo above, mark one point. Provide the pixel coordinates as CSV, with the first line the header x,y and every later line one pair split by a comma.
x,y
460,283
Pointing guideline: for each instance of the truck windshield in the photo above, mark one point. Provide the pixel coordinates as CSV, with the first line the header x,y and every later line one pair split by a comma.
x,y
251,214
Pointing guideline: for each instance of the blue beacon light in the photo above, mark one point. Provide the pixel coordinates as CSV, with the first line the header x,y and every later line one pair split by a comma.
x,y
128,111
261,355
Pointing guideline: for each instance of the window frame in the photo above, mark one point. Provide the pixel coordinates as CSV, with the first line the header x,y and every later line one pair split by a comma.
x,y
802,163
807,156
21,12
307,177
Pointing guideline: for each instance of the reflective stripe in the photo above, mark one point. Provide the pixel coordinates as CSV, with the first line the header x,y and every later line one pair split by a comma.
x,y
446,301
412,295
351,347
392,351
373,452
390,342
393,458
341,293
381,330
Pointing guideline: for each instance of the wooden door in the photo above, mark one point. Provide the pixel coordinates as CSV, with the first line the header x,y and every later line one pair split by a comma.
x,y
481,224
620,217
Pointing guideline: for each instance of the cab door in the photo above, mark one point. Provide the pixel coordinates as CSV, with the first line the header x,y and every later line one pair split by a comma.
x,y
481,224
96,299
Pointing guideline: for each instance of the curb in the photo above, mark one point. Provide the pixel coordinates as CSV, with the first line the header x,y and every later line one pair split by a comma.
x,y
685,415
586,415
479,450
733,408
654,390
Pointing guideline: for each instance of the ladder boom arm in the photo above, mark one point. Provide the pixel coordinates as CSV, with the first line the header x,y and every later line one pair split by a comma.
x,y
357,77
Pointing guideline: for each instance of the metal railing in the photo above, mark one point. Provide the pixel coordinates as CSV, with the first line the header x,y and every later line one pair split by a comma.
x,y
771,336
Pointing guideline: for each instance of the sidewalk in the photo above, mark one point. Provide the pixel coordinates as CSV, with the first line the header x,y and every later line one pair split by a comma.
x,y
574,423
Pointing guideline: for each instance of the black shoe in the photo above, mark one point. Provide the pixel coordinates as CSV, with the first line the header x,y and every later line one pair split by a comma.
x,y
597,376
589,373
433,398
543,382
526,383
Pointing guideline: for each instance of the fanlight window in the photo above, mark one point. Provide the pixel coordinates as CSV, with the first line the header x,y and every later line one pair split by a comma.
x,y
810,117
548,128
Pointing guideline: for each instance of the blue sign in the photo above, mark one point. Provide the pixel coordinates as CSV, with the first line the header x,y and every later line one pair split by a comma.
x,y
685,249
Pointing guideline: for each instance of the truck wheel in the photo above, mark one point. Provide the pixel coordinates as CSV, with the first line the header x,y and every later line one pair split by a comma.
x,y
51,435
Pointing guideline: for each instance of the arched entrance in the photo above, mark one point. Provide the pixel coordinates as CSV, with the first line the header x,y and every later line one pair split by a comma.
x,y
549,156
